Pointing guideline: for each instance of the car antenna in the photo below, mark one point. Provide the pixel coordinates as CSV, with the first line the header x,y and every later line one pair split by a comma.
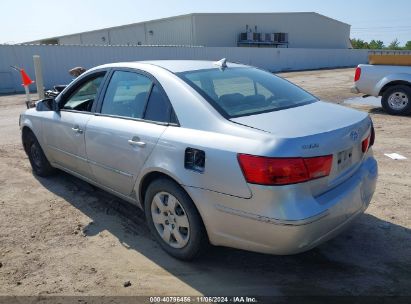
x,y
221,63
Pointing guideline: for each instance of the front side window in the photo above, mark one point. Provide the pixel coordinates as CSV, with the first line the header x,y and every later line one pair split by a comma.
x,y
236,92
83,97
126,94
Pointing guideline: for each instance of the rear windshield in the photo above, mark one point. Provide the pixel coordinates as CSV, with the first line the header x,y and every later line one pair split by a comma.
x,y
236,92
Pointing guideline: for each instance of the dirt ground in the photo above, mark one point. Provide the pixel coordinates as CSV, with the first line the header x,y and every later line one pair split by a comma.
x,y
60,236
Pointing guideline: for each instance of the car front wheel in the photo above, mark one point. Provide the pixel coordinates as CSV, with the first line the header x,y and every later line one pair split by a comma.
x,y
38,160
174,220
396,100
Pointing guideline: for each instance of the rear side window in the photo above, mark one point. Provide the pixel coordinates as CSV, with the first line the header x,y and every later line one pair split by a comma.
x,y
236,92
126,94
158,107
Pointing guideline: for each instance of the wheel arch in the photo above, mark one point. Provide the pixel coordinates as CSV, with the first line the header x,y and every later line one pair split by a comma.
x,y
147,179
25,132
393,83
157,173
149,175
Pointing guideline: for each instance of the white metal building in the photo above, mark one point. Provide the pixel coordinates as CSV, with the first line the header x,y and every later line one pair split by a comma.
x,y
293,30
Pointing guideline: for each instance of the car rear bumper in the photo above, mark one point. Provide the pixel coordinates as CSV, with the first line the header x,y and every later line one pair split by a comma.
x,y
355,90
276,224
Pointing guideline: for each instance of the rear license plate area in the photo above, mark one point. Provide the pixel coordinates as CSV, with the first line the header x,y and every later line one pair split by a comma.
x,y
344,159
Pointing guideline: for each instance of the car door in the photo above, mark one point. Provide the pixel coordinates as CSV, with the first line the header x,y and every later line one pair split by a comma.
x,y
119,138
65,129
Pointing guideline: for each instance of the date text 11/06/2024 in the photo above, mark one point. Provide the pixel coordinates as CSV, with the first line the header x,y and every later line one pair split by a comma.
x,y
203,299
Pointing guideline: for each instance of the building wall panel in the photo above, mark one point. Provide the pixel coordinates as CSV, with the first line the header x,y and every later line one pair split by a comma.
x,y
305,30
72,39
128,35
95,38
175,31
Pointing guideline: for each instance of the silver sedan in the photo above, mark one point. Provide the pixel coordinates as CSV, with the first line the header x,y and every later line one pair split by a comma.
x,y
213,152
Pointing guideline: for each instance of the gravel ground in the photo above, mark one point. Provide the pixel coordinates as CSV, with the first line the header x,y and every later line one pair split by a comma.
x,y
60,236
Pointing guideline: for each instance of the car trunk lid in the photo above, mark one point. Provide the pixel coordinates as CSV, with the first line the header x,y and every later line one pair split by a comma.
x,y
313,130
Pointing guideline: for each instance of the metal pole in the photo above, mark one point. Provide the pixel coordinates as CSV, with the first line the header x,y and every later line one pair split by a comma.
x,y
28,99
39,76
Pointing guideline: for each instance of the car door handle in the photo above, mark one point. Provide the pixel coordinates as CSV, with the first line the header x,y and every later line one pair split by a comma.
x,y
77,129
136,142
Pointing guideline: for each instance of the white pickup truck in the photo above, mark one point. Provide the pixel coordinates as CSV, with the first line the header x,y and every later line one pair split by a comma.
x,y
393,83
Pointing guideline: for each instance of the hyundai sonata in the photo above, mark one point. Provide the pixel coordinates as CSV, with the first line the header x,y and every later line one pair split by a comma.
x,y
213,152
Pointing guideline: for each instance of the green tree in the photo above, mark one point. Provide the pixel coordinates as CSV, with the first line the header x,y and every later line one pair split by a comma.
x,y
394,45
376,44
408,45
359,44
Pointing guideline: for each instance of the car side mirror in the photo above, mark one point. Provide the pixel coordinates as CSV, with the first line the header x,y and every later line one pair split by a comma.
x,y
55,106
47,104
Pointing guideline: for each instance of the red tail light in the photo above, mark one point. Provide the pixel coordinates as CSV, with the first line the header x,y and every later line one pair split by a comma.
x,y
283,171
369,141
357,74
365,144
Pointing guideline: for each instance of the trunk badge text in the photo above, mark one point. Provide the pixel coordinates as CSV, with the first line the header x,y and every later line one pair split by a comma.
x,y
310,146
354,135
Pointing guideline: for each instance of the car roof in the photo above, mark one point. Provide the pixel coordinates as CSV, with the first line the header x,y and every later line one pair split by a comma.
x,y
175,66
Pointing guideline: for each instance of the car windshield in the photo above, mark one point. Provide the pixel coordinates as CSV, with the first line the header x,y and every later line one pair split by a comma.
x,y
236,92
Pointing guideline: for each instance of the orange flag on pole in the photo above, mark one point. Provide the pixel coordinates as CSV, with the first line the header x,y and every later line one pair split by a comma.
x,y
25,78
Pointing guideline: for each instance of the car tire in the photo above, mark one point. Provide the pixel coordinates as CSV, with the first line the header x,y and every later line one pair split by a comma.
x,y
396,100
170,231
38,160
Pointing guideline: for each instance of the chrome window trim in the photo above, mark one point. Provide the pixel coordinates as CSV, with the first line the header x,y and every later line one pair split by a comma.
x,y
137,119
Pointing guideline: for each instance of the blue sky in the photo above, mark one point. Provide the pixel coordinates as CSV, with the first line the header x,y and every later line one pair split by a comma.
x,y
26,20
